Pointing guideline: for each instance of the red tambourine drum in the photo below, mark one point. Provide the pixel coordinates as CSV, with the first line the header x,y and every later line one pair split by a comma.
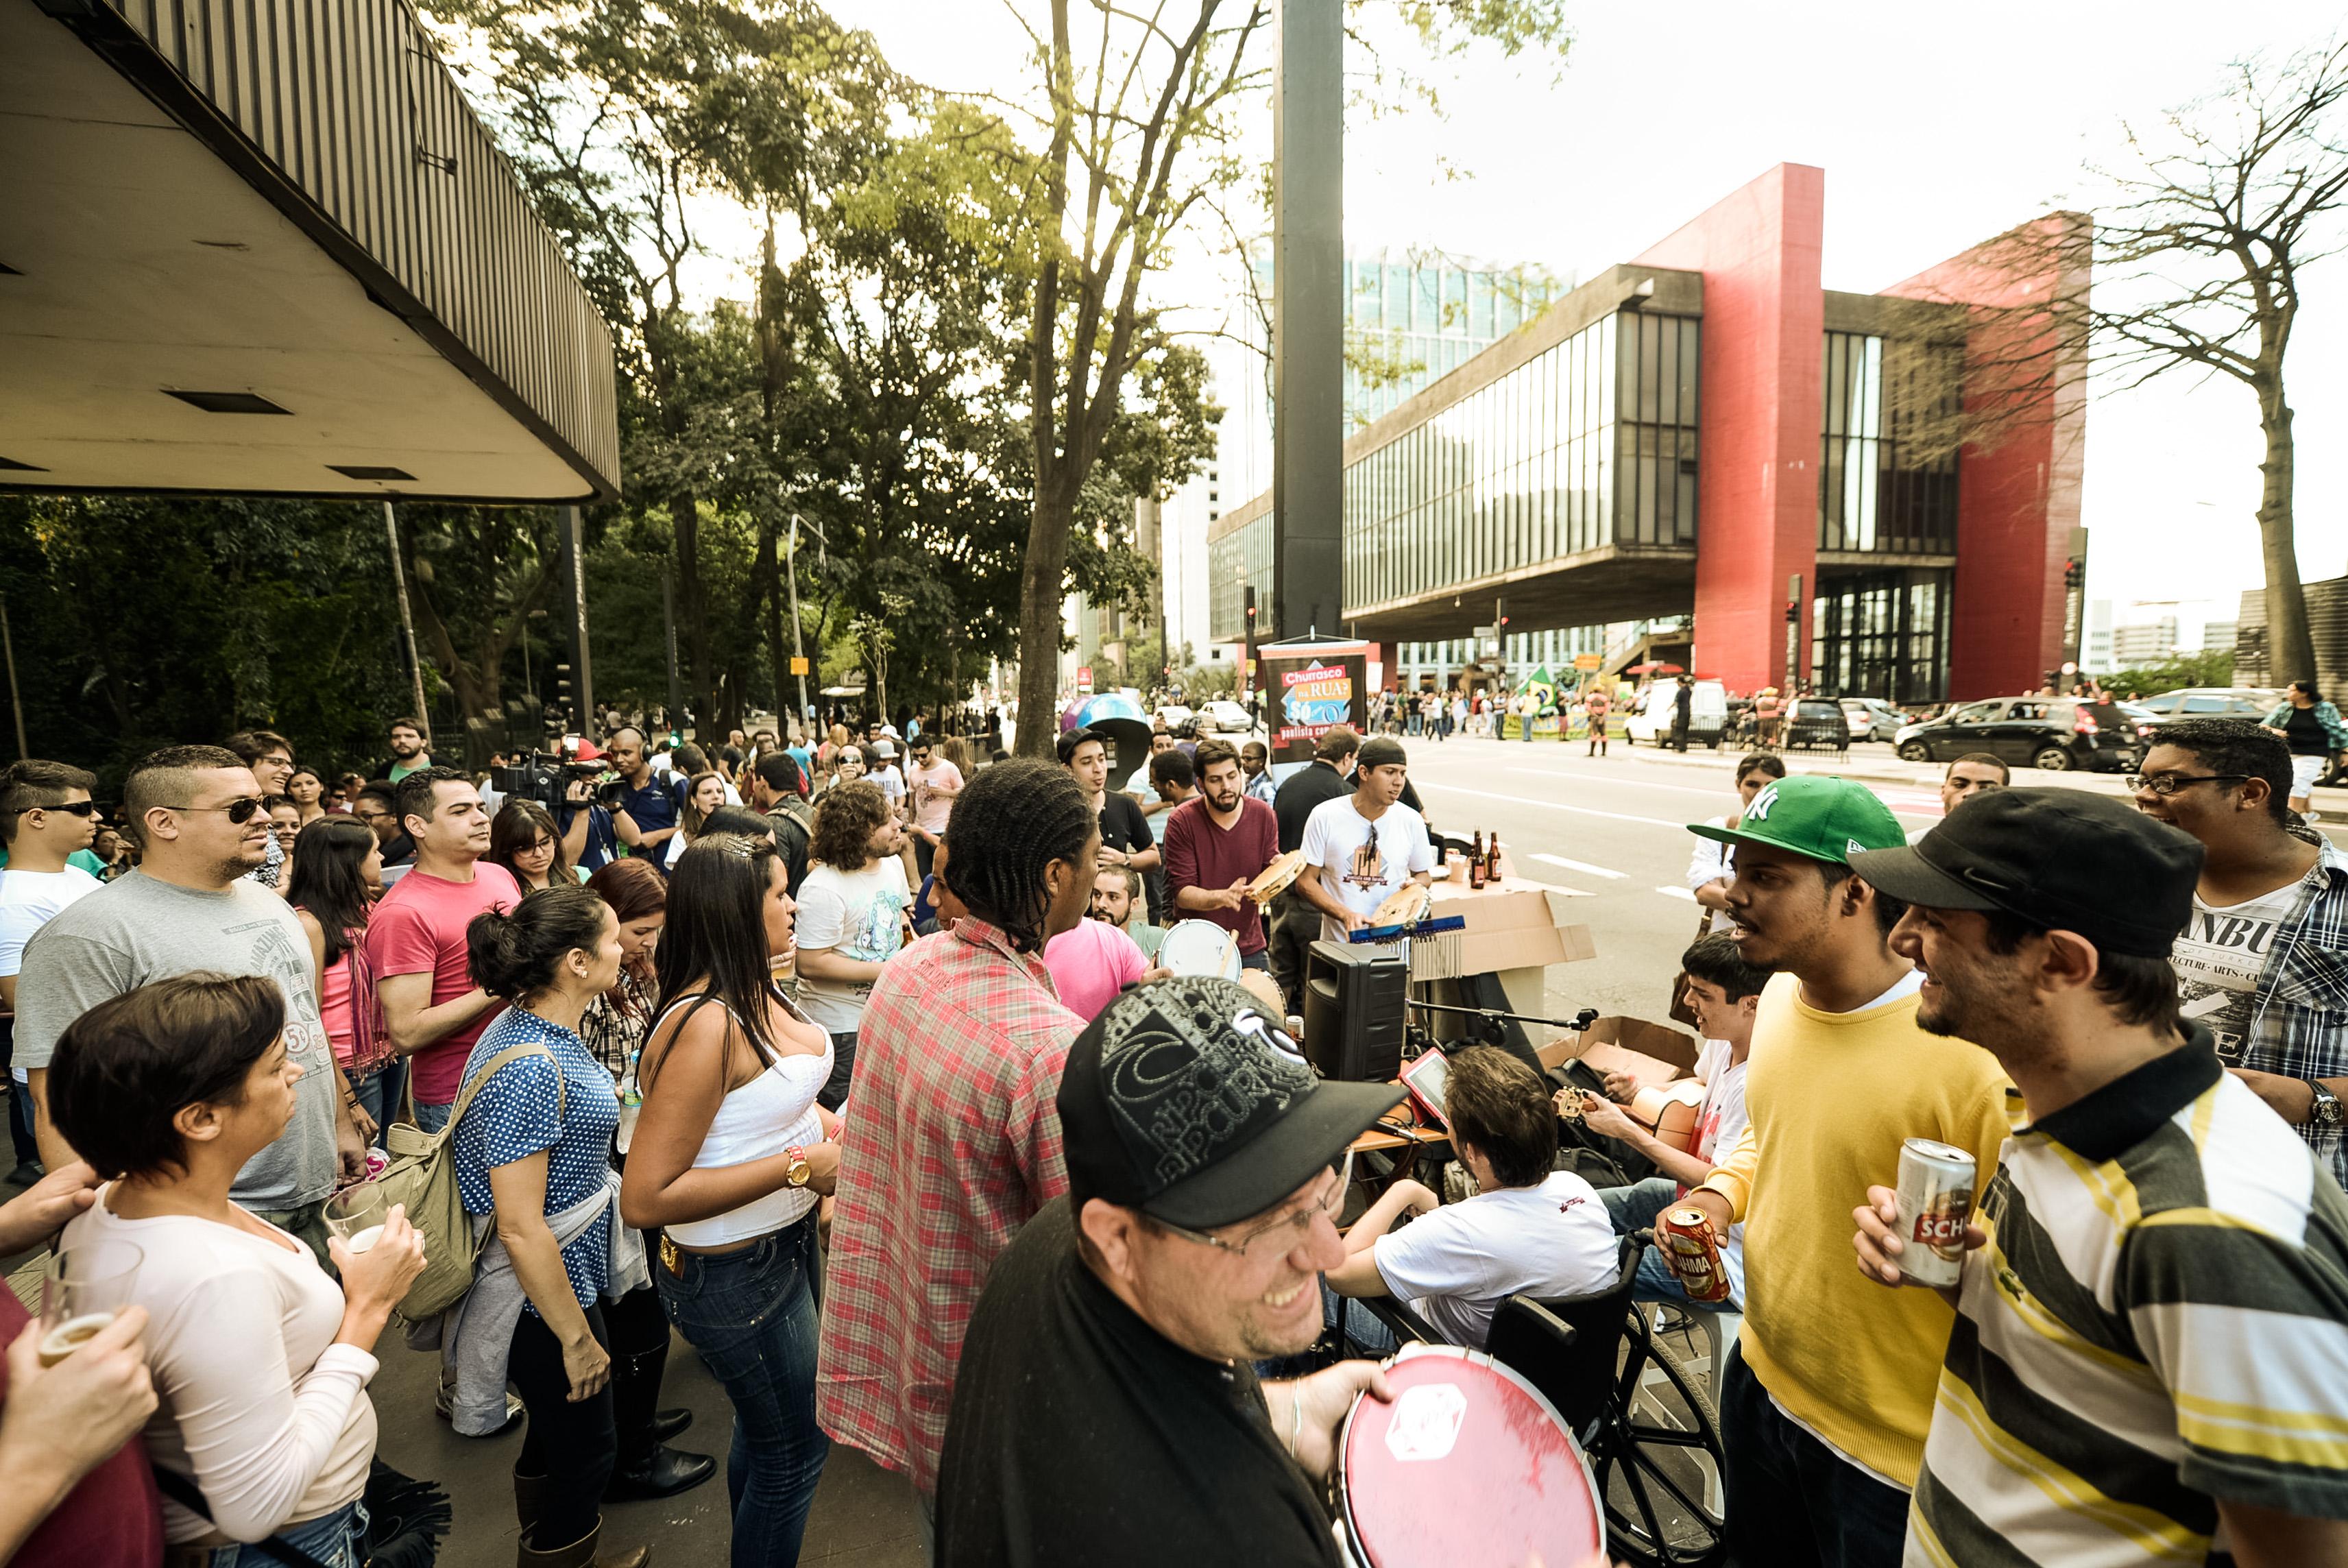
x,y
1467,1466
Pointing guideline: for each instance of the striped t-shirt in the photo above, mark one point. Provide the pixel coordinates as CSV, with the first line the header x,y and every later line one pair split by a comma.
x,y
2160,1320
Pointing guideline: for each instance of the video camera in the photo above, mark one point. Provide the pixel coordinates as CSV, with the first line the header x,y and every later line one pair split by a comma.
x,y
547,776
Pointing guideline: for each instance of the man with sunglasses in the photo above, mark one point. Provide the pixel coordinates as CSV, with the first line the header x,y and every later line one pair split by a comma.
x,y
190,905
1106,1409
2262,963
46,819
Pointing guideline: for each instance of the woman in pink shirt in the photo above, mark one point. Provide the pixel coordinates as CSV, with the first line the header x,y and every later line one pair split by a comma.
x,y
337,876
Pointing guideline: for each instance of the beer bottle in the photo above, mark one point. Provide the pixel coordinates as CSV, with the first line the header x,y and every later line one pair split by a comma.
x,y
1476,860
1492,861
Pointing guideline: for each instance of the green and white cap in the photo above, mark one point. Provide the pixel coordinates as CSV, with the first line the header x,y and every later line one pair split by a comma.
x,y
1813,814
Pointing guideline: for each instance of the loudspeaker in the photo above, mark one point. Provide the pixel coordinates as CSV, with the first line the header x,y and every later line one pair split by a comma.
x,y
1355,1010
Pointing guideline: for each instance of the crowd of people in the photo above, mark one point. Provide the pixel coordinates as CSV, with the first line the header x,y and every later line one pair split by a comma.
x,y
950,1106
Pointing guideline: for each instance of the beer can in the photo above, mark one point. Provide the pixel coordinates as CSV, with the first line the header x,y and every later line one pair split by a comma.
x,y
1936,1202
1686,1239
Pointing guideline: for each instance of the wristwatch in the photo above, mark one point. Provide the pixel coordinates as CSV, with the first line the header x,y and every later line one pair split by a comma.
x,y
2326,1110
796,1169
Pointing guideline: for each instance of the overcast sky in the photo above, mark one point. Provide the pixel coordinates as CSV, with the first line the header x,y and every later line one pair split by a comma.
x,y
1936,126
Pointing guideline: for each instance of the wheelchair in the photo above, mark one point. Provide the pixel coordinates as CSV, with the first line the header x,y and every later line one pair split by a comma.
x,y
1644,1418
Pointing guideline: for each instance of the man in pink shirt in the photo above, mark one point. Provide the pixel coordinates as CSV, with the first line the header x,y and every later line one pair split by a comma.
x,y
1217,842
931,785
1091,963
415,939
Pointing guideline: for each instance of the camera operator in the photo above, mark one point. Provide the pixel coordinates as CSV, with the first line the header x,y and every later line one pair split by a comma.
x,y
586,801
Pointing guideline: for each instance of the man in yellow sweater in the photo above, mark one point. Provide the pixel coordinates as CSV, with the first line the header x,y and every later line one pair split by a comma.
x,y
1824,1410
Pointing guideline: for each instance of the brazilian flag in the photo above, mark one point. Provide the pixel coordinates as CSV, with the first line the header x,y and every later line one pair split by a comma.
x,y
1543,686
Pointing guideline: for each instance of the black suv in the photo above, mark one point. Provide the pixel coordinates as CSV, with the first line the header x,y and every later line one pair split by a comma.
x,y
2056,733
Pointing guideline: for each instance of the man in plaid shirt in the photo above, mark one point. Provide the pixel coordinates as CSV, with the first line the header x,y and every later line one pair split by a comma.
x,y
951,1142
2264,963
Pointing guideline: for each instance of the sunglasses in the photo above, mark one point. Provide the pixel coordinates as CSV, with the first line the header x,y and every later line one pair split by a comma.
x,y
239,811
78,807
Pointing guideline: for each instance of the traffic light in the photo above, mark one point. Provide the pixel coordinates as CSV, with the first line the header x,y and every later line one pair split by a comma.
x,y
1250,609
1792,612
563,699
1500,616
2075,574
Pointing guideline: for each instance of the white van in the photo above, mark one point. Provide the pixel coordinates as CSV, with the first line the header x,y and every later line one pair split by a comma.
x,y
1650,720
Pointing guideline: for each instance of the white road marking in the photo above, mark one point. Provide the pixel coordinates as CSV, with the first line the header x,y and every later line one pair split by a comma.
x,y
1625,783
1580,866
1677,892
1554,806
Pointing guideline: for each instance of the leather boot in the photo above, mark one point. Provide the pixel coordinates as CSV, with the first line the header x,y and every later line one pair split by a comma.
x,y
530,1494
582,1553
646,1466
664,1474
669,1423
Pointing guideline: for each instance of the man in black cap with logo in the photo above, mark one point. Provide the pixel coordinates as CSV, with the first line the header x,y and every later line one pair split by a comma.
x,y
1106,1409
2149,1358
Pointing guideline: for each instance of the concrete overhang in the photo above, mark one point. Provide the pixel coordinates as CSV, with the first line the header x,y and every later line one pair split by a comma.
x,y
267,250
1612,583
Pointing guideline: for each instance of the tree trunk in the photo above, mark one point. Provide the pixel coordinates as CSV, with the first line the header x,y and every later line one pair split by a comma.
x,y
767,580
2290,643
1041,595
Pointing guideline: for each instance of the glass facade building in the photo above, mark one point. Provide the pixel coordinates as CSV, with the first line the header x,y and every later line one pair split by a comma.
x,y
1412,320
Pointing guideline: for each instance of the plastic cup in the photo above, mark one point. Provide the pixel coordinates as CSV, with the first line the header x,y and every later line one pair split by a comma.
x,y
82,1290
357,1213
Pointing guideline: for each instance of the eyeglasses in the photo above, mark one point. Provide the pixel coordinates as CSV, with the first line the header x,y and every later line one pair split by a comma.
x,y
1291,1229
2167,784
78,807
239,811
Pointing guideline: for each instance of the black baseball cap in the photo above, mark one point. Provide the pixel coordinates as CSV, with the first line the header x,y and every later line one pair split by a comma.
x,y
1185,1100
2061,860
1381,752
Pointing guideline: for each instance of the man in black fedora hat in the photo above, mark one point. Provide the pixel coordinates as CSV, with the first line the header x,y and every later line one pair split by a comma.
x,y
1106,1409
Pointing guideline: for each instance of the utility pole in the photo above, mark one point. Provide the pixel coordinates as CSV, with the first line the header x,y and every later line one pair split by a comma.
x,y
575,573
1308,327
668,619
799,638
15,701
407,621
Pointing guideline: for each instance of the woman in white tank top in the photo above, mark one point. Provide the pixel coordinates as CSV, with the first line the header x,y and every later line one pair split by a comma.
x,y
730,1158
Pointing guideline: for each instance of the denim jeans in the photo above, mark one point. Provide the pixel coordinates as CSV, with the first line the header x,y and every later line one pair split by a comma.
x,y
752,1316
1366,1334
337,1540
834,1092
433,1118
1792,1501
1634,1208
378,1093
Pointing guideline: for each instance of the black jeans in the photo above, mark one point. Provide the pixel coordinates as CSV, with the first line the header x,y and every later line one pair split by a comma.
x,y
574,1447
1792,1501
834,1092
1295,927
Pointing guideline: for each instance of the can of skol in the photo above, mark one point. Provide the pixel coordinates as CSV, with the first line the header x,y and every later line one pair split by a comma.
x,y
1686,1239
1936,1203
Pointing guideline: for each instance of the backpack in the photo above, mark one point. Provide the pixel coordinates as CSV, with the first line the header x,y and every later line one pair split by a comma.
x,y
423,1176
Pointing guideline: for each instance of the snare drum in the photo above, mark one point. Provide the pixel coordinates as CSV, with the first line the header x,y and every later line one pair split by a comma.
x,y
1467,1465
1199,947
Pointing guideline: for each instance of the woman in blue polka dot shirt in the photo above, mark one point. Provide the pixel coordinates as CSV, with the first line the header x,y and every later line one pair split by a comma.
x,y
532,1150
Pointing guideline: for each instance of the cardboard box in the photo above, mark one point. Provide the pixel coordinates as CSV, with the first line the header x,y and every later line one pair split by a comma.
x,y
1651,1053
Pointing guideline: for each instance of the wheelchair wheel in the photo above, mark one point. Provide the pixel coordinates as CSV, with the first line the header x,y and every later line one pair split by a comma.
x,y
1657,1457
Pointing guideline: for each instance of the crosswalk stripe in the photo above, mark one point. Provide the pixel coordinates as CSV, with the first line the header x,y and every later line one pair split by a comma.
x,y
1580,866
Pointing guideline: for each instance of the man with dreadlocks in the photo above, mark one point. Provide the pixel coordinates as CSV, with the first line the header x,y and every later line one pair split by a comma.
x,y
951,1142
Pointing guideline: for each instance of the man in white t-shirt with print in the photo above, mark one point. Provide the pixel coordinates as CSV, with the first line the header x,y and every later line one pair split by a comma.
x,y
1360,849
1528,1228
1724,992
45,815
851,916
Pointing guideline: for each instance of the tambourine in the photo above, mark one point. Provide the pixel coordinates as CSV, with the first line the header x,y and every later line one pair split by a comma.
x,y
1276,878
1199,947
1467,1466
1409,902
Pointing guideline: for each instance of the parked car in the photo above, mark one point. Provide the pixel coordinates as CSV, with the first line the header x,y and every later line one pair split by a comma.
x,y
2253,703
1650,720
1872,718
1812,722
2056,733
1224,715
1172,715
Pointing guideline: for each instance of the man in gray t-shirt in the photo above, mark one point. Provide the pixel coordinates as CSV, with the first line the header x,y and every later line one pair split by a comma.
x,y
188,907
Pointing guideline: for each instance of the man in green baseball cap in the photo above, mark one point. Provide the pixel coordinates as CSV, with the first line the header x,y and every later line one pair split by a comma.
x,y
1824,1410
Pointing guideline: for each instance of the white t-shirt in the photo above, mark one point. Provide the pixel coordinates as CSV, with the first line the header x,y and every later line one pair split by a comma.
x,y
892,782
1717,1127
1363,864
857,915
2218,957
1455,1266
27,901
